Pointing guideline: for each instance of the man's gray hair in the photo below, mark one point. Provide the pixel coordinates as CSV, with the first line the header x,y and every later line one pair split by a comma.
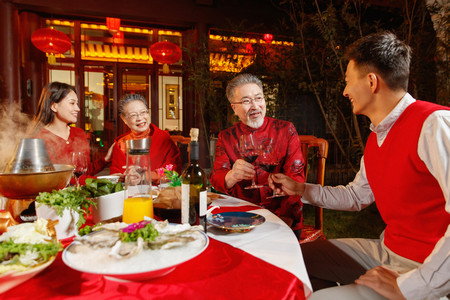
x,y
130,98
239,80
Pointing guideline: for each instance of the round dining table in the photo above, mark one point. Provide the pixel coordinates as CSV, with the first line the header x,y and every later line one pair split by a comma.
x,y
263,263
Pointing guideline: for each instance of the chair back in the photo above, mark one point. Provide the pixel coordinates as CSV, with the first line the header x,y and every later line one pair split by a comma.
x,y
184,144
320,148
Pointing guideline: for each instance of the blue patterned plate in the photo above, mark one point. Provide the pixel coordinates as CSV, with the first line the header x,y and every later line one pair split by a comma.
x,y
235,221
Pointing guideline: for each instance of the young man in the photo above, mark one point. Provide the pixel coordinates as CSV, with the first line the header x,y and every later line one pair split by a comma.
x,y
405,170
232,174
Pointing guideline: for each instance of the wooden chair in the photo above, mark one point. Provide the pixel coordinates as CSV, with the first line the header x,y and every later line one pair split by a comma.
x,y
183,143
320,146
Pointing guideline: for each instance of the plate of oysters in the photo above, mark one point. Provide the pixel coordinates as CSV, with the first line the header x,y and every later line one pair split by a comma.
x,y
135,252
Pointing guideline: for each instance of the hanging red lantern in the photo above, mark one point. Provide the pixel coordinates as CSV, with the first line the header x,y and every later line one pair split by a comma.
x,y
165,52
268,38
50,40
249,49
113,24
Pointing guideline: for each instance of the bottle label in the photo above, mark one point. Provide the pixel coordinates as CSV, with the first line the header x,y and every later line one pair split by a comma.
x,y
203,203
185,192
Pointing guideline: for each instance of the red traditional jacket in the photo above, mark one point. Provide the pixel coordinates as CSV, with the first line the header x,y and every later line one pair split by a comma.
x,y
407,195
291,163
163,150
60,150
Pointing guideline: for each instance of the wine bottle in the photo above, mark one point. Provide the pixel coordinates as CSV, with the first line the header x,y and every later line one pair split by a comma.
x,y
193,187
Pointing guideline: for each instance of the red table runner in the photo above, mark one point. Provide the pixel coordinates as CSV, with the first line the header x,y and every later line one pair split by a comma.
x,y
220,272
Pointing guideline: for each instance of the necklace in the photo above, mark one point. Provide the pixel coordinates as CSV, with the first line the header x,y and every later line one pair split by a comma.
x,y
63,136
67,140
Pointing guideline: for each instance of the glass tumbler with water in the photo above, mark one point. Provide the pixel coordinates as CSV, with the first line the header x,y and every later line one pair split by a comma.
x,y
138,201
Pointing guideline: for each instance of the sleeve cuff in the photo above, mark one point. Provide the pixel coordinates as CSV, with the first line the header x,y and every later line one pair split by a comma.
x,y
412,286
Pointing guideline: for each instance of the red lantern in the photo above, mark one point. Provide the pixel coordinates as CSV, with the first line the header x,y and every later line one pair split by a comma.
x,y
50,40
113,24
268,38
165,52
249,49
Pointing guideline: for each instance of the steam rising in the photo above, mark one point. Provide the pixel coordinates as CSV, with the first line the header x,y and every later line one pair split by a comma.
x,y
13,127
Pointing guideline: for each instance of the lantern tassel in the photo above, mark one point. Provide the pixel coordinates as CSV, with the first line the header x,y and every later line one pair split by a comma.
x,y
51,59
166,69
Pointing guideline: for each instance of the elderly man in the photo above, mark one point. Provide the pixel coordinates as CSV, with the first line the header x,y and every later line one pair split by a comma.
x,y
232,174
405,170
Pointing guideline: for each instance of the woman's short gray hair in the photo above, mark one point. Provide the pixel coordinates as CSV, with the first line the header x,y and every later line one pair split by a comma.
x,y
239,80
127,98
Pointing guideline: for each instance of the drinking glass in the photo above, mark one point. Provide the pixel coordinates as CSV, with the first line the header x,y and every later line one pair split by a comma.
x,y
250,149
80,165
268,161
138,202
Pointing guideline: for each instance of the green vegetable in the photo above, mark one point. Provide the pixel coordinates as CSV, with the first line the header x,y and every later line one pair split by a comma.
x,y
99,187
10,251
87,229
146,231
69,198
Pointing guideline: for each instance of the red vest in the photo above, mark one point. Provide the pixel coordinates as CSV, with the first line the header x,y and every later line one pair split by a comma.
x,y
408,197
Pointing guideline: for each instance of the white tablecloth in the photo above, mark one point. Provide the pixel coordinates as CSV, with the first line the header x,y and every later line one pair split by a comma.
x,y
273,241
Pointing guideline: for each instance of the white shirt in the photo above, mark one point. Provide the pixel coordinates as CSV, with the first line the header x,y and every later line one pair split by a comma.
x,y
432,278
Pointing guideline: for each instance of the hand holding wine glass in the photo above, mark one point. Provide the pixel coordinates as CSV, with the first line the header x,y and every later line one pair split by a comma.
x,y
80,165
250,149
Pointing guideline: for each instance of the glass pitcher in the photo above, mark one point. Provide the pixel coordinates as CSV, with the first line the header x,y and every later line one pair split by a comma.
x,y
138,201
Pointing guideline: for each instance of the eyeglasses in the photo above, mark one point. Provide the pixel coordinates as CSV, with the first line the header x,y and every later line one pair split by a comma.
x,y
134,116
248,101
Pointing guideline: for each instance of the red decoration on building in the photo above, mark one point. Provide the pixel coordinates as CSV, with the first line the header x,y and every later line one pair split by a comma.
x,y
50,40
118,38
268,38
165,52
249,49
113,24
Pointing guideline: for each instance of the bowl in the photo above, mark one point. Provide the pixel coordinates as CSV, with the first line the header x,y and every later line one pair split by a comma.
x,y
67,223
173,215
108,206
29,185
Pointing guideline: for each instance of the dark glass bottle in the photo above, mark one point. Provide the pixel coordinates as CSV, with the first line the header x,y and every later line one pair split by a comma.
x,y
193,188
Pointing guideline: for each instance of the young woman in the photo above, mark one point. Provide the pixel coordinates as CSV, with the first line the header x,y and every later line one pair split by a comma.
x,y
57,109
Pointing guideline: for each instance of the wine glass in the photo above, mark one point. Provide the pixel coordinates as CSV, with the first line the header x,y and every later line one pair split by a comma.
x,y
268,161
80,166
250,150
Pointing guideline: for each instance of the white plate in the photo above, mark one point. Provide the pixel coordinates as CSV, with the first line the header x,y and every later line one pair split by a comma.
x,y
143,266
236,221
12,279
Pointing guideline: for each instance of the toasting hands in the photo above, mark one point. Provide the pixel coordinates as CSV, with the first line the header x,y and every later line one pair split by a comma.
x,y
283,184
241,170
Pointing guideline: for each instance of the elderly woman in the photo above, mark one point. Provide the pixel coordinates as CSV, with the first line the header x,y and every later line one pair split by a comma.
x,y
58,108
133,110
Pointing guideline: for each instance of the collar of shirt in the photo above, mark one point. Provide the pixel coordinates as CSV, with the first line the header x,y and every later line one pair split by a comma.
x,y
383,128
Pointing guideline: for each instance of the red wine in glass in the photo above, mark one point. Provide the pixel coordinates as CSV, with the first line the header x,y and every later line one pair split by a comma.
x,y
250,150
78,174
268,167
251,158
269,161
79,163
